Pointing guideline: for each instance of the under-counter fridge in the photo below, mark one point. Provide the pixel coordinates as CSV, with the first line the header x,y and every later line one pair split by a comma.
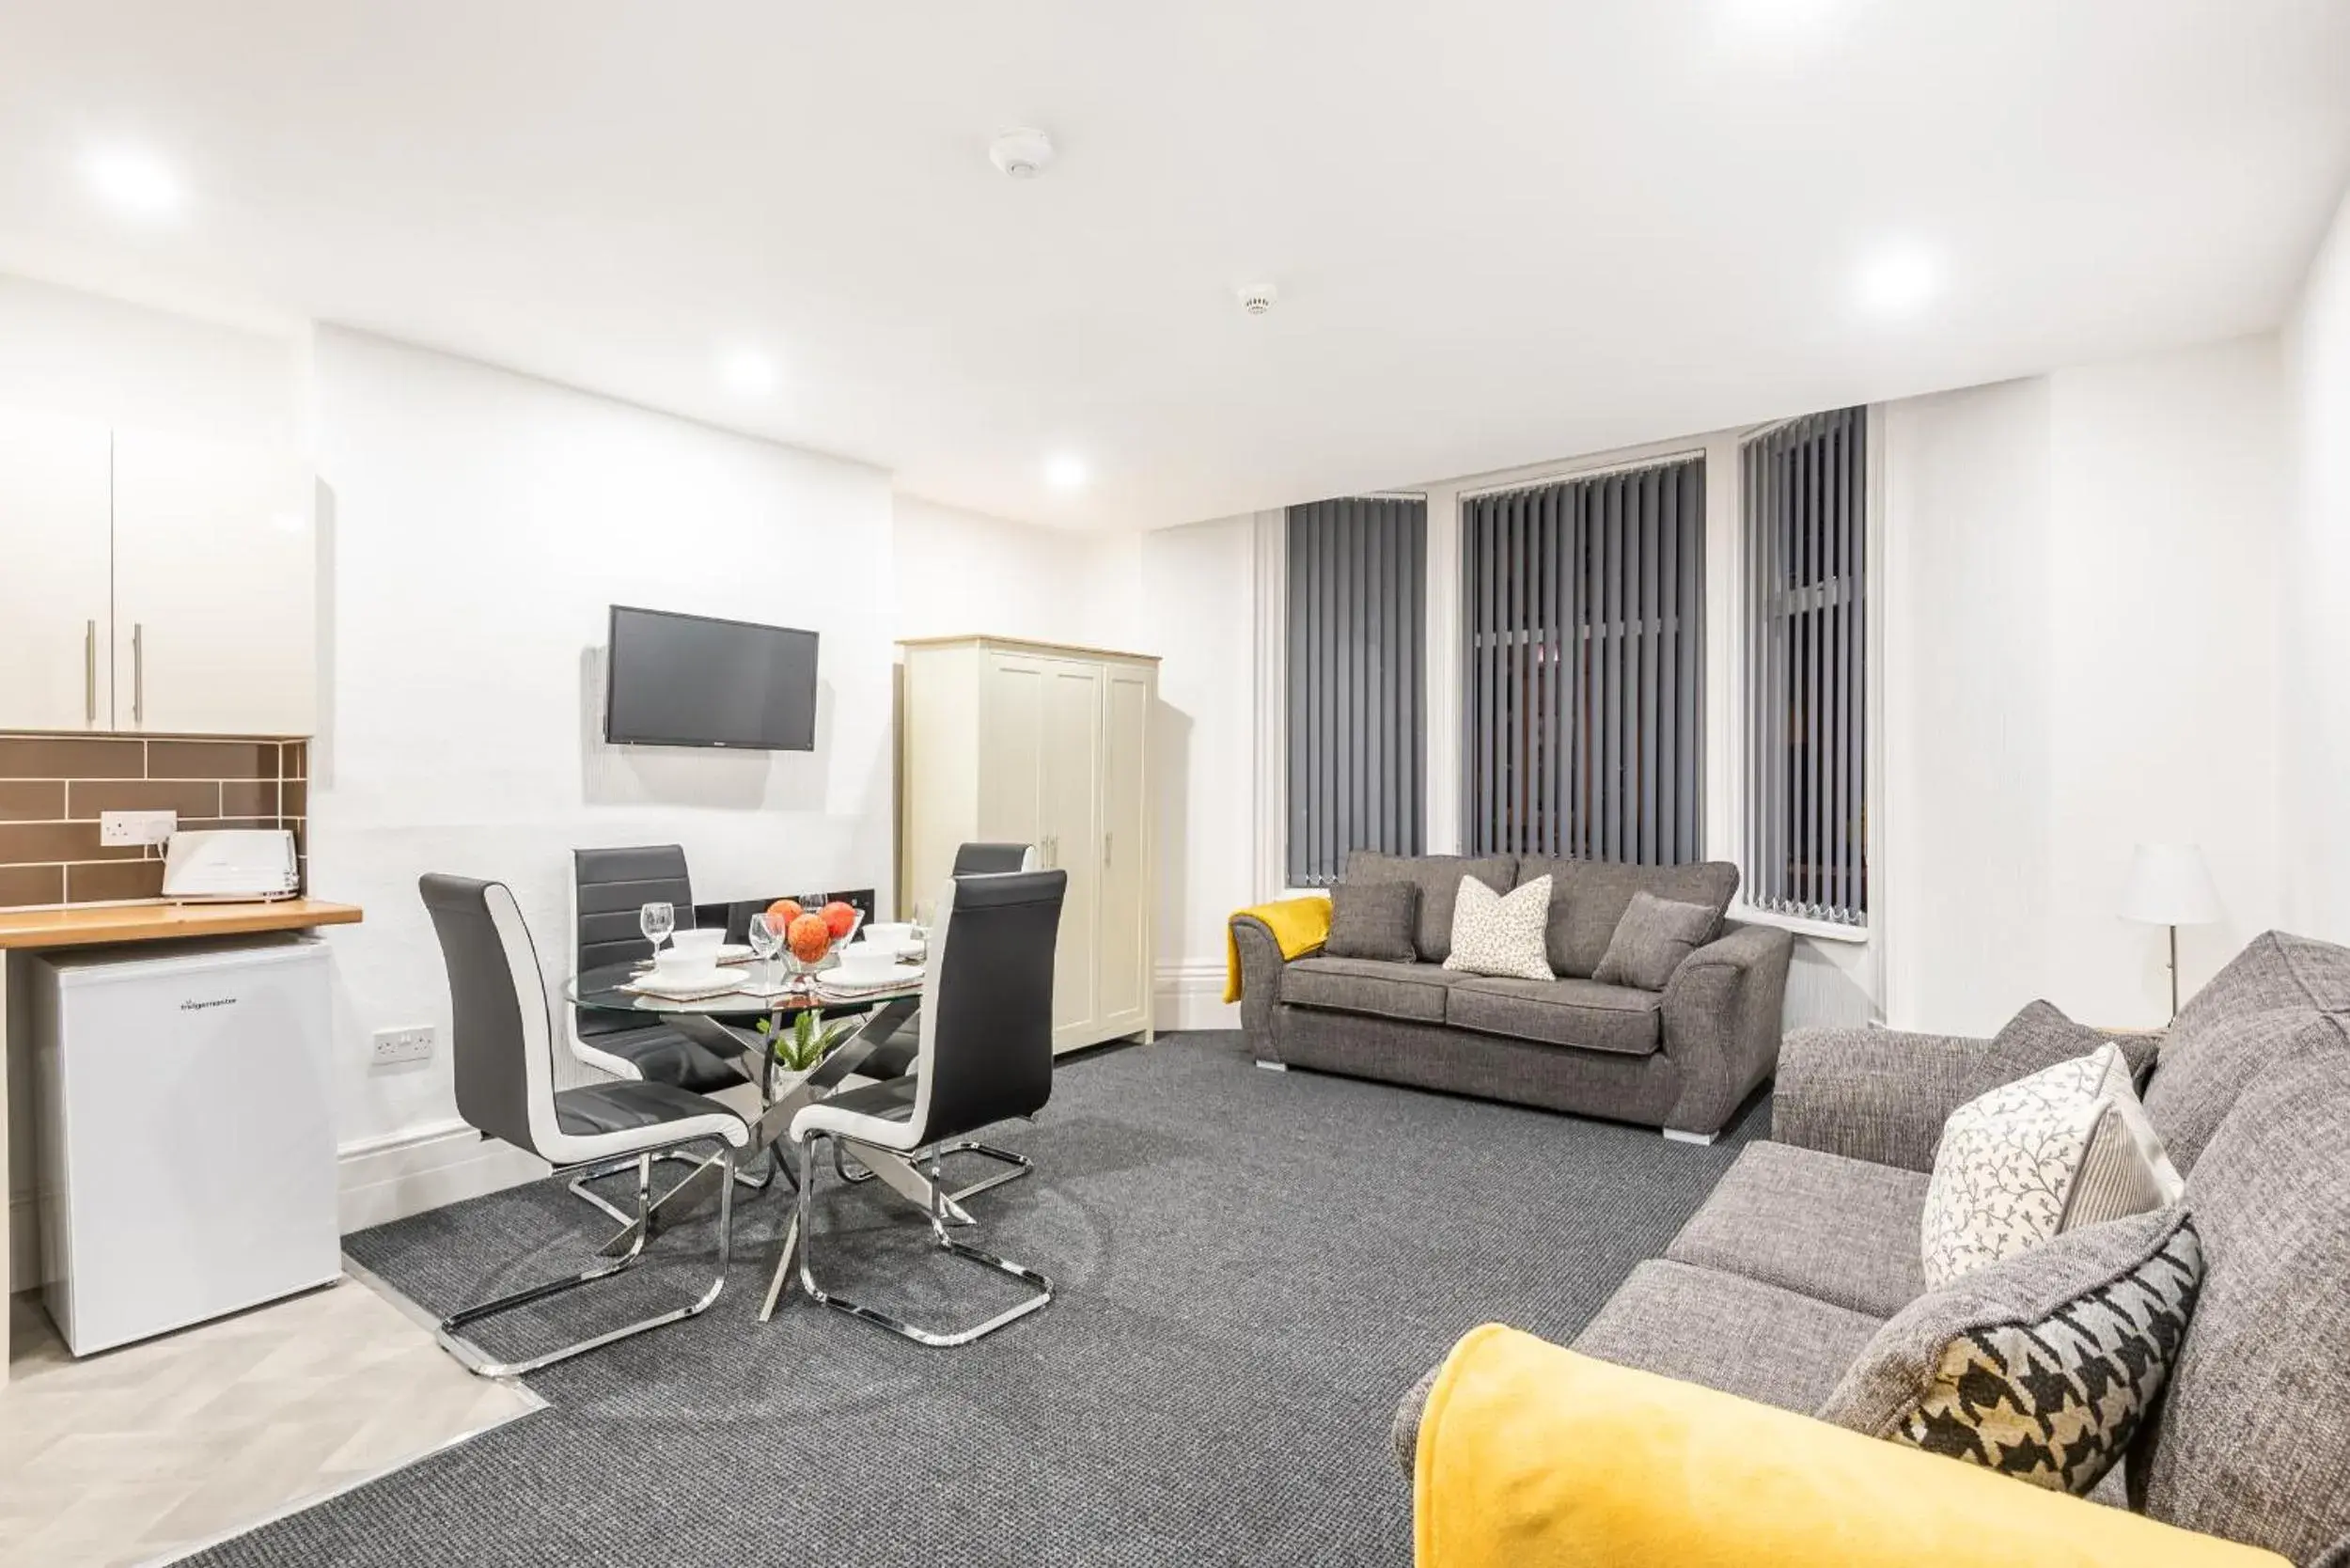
x,y
186,1133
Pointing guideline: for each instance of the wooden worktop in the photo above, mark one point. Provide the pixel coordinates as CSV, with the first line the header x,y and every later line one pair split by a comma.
x,y
93,925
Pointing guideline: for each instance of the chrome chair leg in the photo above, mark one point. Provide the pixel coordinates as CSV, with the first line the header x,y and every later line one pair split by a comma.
x,y
479,1363
1021,1164
580,1189
800,1240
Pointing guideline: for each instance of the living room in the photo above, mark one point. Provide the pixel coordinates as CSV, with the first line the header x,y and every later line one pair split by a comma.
x,y
1874,476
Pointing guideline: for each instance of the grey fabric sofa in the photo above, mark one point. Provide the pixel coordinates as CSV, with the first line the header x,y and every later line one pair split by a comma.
x,y
1810,1243
1682,1059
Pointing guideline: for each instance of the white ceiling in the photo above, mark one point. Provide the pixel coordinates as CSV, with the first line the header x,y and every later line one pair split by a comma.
x,y
1503,231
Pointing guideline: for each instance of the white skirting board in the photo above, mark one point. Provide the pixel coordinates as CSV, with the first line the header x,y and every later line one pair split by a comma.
x,y
1190,995
406,1173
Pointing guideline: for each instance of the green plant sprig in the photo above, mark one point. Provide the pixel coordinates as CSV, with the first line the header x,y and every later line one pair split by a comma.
x,y
807,1041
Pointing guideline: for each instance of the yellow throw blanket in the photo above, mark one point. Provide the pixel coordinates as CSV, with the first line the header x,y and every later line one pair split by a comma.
x,y
1298,925
1532,1457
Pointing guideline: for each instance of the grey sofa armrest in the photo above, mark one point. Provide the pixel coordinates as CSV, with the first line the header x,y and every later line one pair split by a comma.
x,y
1883,1095
1404,1434
1723,1010
1260,963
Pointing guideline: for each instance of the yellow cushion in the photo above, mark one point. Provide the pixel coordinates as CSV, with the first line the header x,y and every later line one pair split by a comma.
x,y
1532,1457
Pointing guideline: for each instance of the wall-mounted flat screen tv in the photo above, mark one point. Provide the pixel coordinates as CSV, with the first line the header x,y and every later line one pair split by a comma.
x,y
690,680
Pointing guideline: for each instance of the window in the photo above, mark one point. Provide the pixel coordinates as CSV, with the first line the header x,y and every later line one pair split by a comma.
x,y
1805,505
1583,602
1357,584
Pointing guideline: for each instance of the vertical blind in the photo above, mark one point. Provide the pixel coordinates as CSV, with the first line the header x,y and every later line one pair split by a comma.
x,y
1583,602
1358,588
1805,502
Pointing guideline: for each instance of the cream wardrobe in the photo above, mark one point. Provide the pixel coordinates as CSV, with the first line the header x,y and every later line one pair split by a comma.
x,y
1031,743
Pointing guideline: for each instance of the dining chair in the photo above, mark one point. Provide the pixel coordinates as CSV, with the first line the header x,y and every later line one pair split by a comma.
x,y
894,1057
985,1056
609,887
502,1050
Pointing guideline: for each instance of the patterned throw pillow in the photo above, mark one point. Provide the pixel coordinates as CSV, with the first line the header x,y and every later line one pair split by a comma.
x,y
1500,934
1652,939
2066,1146
2043,1367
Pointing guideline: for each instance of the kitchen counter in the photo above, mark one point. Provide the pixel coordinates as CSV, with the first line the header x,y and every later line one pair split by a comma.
x,y
99,925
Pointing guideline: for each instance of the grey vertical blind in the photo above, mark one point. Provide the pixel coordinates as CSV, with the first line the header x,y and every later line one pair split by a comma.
x,y
1357,592
1805,504
1583,602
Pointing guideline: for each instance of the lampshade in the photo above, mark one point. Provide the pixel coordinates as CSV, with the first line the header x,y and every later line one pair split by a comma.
x,y
2169,885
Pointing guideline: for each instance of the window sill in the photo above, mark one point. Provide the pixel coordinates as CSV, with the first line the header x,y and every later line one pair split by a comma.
x,y
1825,930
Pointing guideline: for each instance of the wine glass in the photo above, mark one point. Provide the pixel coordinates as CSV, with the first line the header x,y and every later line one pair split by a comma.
x,y
656,920
765,940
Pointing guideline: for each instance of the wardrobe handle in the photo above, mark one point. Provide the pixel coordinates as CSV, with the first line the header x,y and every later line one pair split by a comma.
x,y
1105,849
138,672
89,670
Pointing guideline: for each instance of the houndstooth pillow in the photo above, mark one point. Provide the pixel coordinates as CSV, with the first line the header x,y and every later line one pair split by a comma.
x,y
1502,933
2068,1146
2044,1367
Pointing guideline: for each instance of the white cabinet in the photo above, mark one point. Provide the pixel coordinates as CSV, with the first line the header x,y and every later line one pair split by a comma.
x,y
214,596
154,583
55,575
1007,740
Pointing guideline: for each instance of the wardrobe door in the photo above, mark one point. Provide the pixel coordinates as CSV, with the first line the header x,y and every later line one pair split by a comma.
x,y
1013,745
1123,964
1072,837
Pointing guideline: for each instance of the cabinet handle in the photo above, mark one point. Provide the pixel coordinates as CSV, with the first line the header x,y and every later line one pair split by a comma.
x,y
89,670
1105,849
138,672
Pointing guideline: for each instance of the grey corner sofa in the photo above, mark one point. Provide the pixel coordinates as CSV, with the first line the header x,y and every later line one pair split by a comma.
x,y
1810,1242
1681,1058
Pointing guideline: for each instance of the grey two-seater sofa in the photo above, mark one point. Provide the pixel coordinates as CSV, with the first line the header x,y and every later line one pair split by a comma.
x,y
1810,1242
1681,1058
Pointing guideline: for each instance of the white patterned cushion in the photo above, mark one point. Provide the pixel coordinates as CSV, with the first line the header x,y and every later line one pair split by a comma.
x,y
1502,933
2068,1146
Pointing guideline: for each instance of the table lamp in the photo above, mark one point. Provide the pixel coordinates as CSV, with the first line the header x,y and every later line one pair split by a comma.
x,y
2169,885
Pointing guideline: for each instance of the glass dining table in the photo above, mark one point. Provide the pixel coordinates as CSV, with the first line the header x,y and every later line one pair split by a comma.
x,y
729,1024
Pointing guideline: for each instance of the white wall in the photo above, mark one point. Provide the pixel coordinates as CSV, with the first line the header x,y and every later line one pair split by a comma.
x,y
2314,601
2079,588
961,572
478,525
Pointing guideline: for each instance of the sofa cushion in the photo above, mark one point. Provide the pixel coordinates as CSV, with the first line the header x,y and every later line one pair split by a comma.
x,y
2043,1366
1842,1231
1438,878
1655,937
2066,1146
2253,1438
1384,990
1499,933
2278,1002
1736,1334
1578,1012
1589,897
1373,920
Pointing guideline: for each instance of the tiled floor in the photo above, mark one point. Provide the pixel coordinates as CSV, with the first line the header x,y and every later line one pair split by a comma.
x,y
144,1454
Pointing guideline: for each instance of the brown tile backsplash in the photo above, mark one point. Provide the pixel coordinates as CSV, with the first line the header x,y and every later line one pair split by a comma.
x,y
54,787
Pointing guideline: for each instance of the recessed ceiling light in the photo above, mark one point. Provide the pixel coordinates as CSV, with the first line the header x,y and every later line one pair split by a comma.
x,y
1897,281
1773,16
747,371
136,183
1065,471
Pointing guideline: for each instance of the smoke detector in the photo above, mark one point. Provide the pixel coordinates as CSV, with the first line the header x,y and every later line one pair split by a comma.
x,y
1023,152
1257,298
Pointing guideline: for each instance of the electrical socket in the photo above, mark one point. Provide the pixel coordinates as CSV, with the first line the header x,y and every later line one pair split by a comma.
x,y
398,1045
136,828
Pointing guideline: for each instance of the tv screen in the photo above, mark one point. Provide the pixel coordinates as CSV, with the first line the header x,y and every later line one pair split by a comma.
x,y
689,679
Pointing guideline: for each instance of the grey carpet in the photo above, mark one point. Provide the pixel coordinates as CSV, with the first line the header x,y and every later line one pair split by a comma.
x,y
1251,1267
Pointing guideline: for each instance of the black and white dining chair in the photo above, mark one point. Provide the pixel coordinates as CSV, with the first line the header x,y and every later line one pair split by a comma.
x,y
986,1055
609,887
993,859
503,1048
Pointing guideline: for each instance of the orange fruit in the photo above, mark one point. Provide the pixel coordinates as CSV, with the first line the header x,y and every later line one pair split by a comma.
x,y
810,939
783,912
841,917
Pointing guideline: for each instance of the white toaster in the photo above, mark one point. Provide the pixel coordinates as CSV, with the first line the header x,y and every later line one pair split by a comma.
x,y
229,863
